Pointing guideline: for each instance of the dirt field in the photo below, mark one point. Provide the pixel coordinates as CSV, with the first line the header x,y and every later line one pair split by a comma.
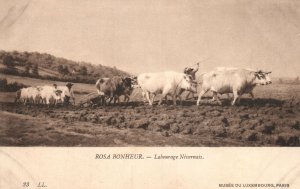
x,y
272,119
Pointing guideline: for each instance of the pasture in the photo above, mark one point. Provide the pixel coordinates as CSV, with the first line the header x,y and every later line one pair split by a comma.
x,y
272,119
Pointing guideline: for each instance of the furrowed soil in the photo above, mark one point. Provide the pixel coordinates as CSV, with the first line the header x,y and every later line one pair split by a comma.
x,y
272,119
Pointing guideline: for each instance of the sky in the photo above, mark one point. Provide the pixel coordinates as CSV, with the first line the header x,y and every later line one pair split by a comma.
x,y
140,36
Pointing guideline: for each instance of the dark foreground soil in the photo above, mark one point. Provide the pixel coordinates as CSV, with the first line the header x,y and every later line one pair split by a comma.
x,y
262,122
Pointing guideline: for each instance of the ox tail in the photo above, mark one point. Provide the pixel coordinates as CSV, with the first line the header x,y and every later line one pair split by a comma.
x,y
18,95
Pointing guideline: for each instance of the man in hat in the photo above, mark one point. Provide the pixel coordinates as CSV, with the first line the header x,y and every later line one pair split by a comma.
x,y
67,93
69,85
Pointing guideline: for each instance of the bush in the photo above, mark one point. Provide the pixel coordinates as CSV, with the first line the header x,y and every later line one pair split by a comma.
x,y
11,87
9,71
3,82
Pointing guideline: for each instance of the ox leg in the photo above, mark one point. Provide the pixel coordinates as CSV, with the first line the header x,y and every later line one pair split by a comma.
x,y
235,97
166,99
179,96
116,99
174,99
44,101
144,95
148,98
238,100
111,98
25,101
202,92
188,95
126,98
252,95
103,101
48,102
215,96
180,99
153,96
164,95
56,102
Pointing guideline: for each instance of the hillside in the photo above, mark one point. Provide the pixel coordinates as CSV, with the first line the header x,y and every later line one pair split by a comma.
x,y
46,66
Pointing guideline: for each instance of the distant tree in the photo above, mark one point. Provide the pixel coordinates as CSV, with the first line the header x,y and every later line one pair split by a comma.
x,y
35,70
296,81
60,69
3,82
280,81
27,68
2,54
66,70
63,70
8,61
83,70
26,54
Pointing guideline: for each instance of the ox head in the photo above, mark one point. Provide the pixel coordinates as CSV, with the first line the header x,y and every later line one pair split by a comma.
x,y
187,83
127,85
262,78
127,81
57,94
188,70
133,80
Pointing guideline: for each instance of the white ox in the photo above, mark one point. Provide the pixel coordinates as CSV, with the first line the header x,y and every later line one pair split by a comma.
x,y
67,93
232,80
234,68
56,93
29,94
50,95
172,83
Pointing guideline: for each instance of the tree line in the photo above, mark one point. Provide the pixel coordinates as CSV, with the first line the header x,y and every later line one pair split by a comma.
x,y
32,64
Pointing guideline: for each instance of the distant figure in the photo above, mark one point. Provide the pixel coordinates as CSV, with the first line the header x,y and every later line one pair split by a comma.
x,y
192,72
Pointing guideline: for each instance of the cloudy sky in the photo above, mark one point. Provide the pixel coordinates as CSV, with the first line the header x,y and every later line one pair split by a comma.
x,y
147,36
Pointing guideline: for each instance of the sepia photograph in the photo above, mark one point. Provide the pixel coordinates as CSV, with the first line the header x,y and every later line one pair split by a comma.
x,y
150,73
164,94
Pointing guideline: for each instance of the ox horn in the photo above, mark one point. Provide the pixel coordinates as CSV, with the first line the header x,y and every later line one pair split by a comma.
x,y
268,72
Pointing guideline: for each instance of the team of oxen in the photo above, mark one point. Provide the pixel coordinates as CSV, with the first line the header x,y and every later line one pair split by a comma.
x,y
219,81
48,95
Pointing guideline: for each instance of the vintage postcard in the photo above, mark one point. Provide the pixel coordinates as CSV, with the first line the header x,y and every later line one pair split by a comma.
x,y
149,94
